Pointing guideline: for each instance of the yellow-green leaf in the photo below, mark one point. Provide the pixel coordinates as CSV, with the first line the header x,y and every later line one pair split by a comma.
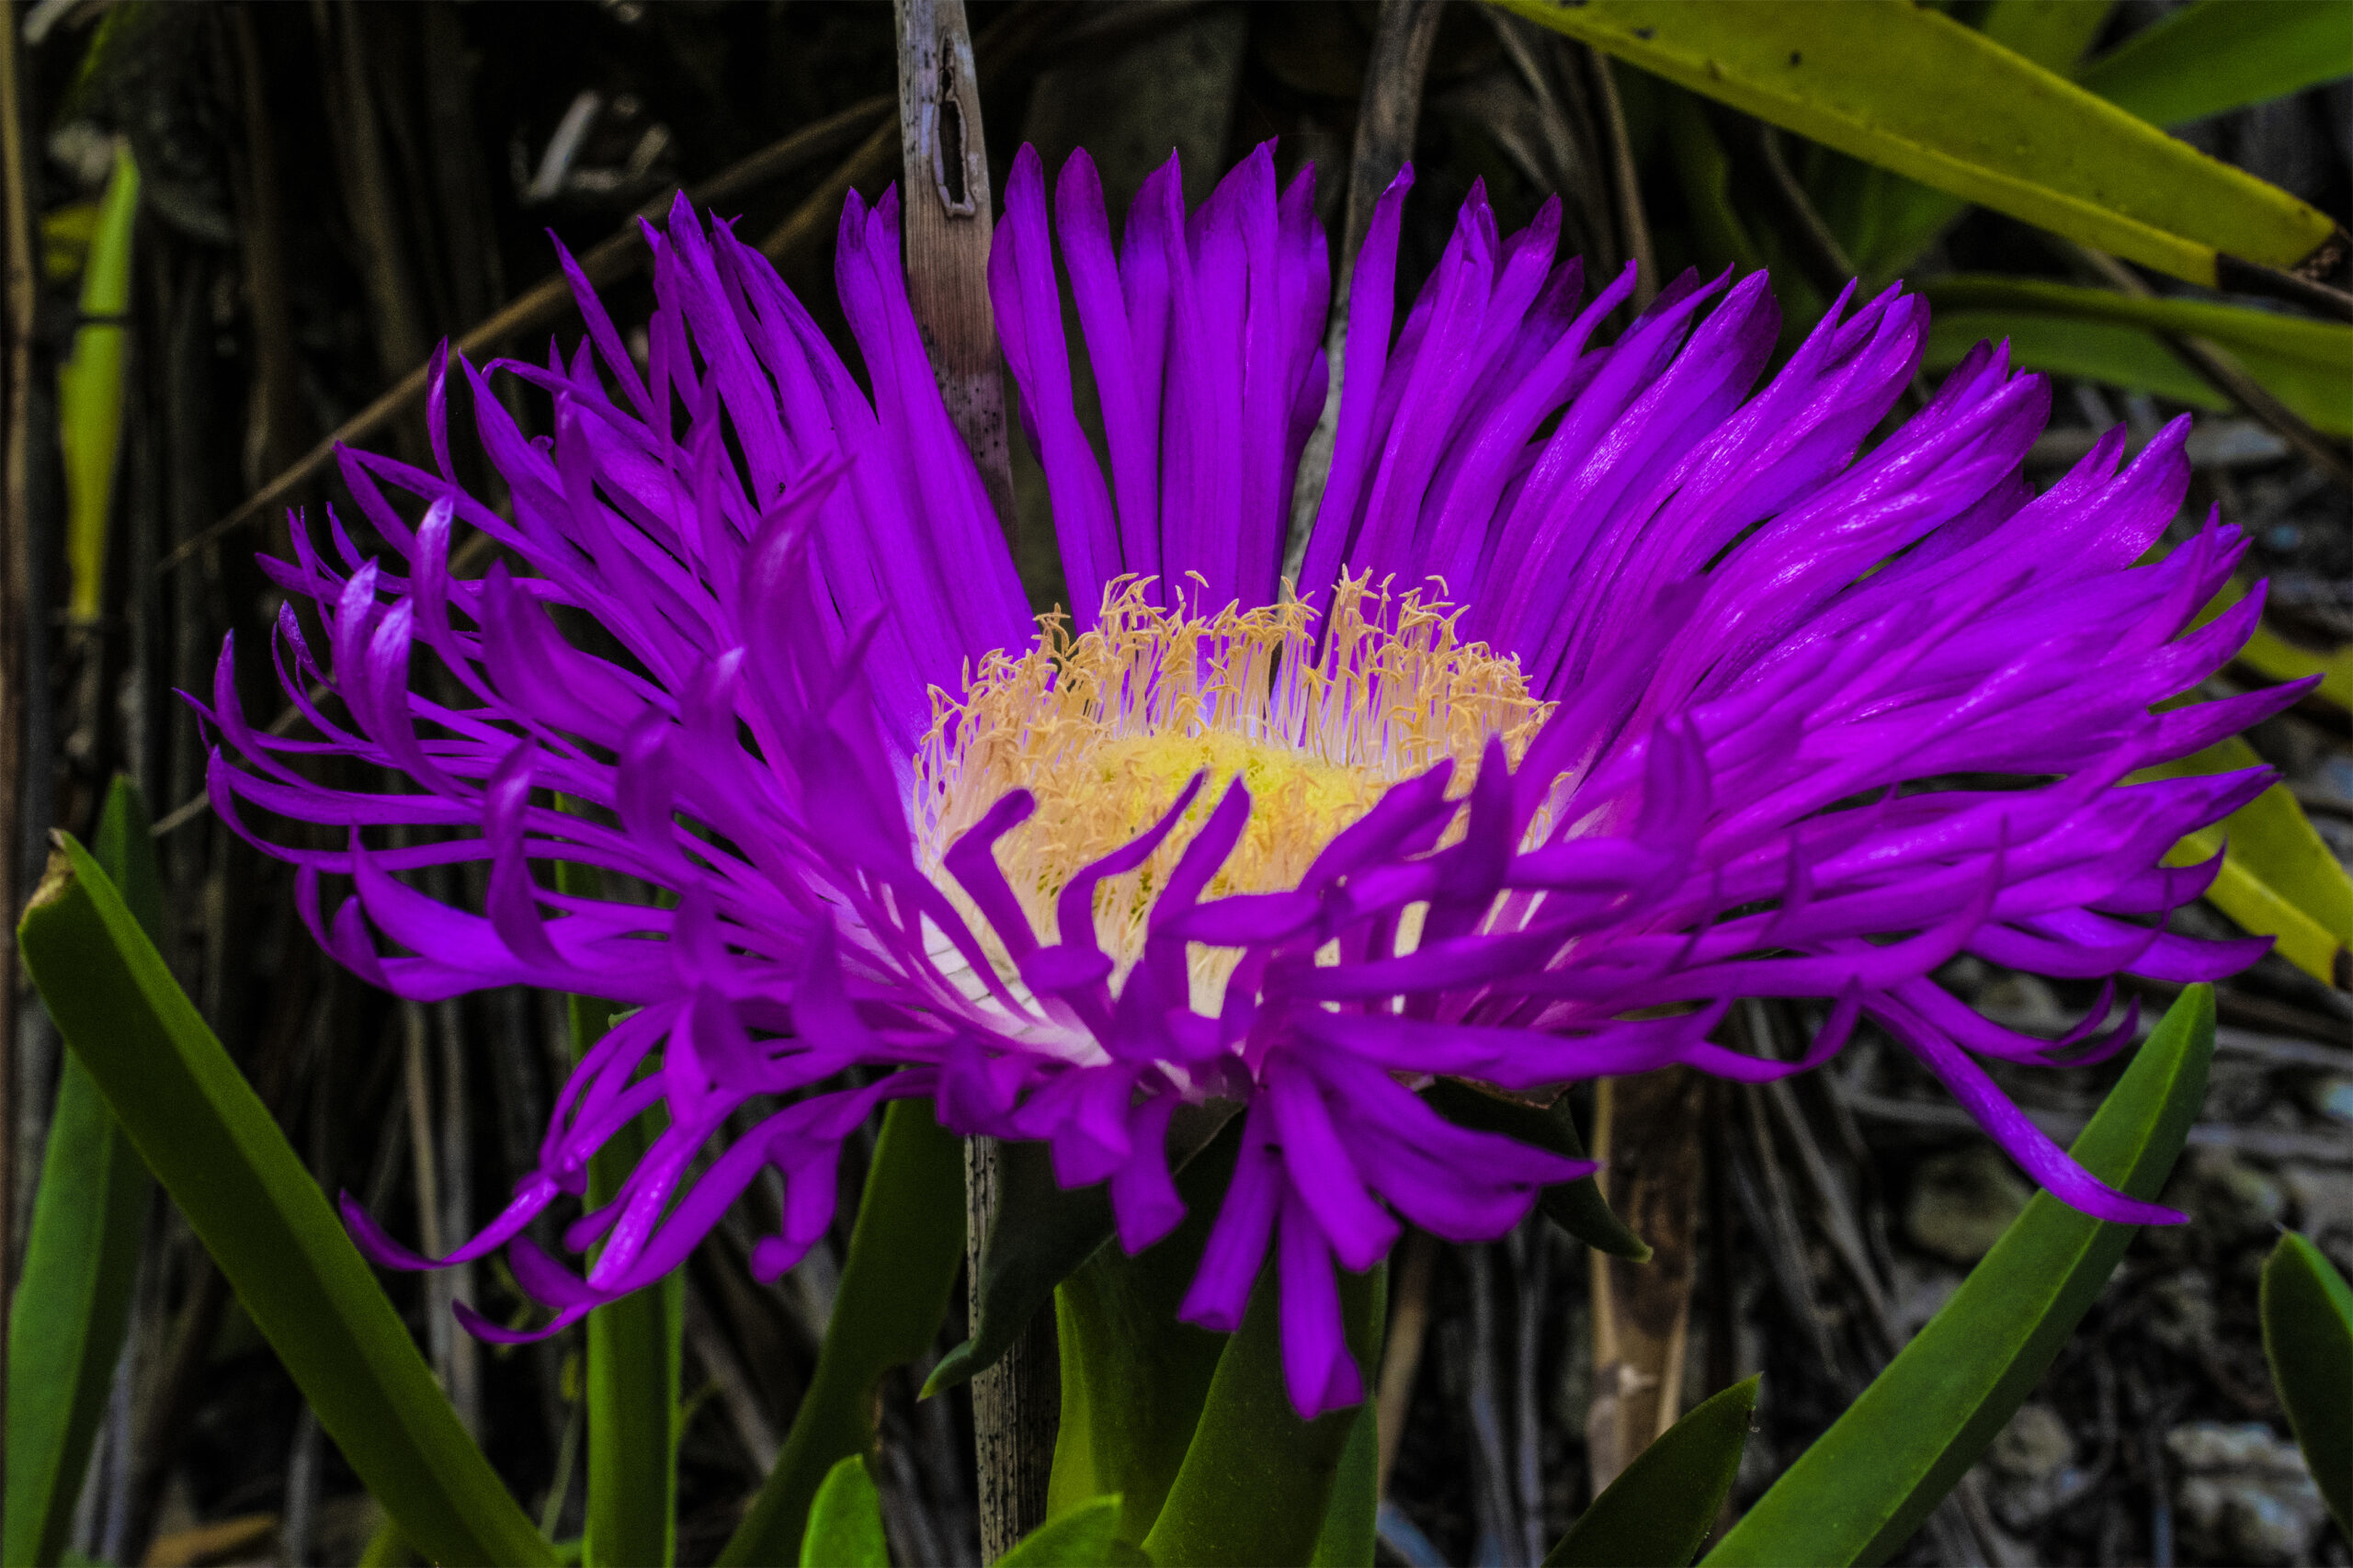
x,y
1086,1537
1891,219
2278,878
1908,88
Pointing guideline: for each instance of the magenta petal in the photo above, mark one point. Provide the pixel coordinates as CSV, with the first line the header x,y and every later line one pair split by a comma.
x,y
1317,1369
1220,1293
1831,699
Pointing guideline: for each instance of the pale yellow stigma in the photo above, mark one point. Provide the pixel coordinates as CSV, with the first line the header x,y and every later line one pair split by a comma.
x,y
1107,727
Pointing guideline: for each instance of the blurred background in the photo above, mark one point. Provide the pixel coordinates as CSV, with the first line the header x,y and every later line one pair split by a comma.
x,y
252,223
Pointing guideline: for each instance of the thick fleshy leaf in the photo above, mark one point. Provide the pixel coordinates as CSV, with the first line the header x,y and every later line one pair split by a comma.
x,y
2103,335
1257,1482
2324,345
635,1348
1577,1207
1886,219
1054,1232
1021,1263
845,1521
1905,87
1864,1486
212,1145
1134,1378
1658,1511
2308,1338
633,1364
1352,1518
73,1299
2279,876
2129,357
1087,1537
2220,54
903,1251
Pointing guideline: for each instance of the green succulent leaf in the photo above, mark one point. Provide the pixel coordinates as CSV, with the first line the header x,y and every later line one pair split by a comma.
x,y
2322,346
1577,1207
635,1347
2128,358
1658,1511
1086,1537
1021,1263
2308,1337
73,1300
1905,87
1864,1486
2216,55
846,1520
212,1145
904,1254
1257,1482
2097,335
1887,219
1133,1378
1352,1518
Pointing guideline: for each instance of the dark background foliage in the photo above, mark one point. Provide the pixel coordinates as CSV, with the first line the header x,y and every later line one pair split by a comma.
x,y
331,188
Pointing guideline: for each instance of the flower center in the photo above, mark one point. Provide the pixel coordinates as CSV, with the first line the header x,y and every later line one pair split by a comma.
x,y
1105,728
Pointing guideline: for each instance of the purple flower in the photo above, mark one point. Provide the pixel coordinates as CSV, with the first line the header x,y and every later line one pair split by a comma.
x,y
1613,689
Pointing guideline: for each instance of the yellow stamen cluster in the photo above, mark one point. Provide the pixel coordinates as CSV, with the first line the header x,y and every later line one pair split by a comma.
x,y
1106,727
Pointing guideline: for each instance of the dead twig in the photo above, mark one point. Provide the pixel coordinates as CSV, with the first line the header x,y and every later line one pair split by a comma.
x,y
947,214
1497,1511
1529,1248
948,217
1570,137
1646,1133
754,1430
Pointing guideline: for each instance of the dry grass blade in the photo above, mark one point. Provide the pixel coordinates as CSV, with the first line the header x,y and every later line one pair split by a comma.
x,y
2224,374
1646,1133
1386,122
547,301
1633,219
1401,1355
16,628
